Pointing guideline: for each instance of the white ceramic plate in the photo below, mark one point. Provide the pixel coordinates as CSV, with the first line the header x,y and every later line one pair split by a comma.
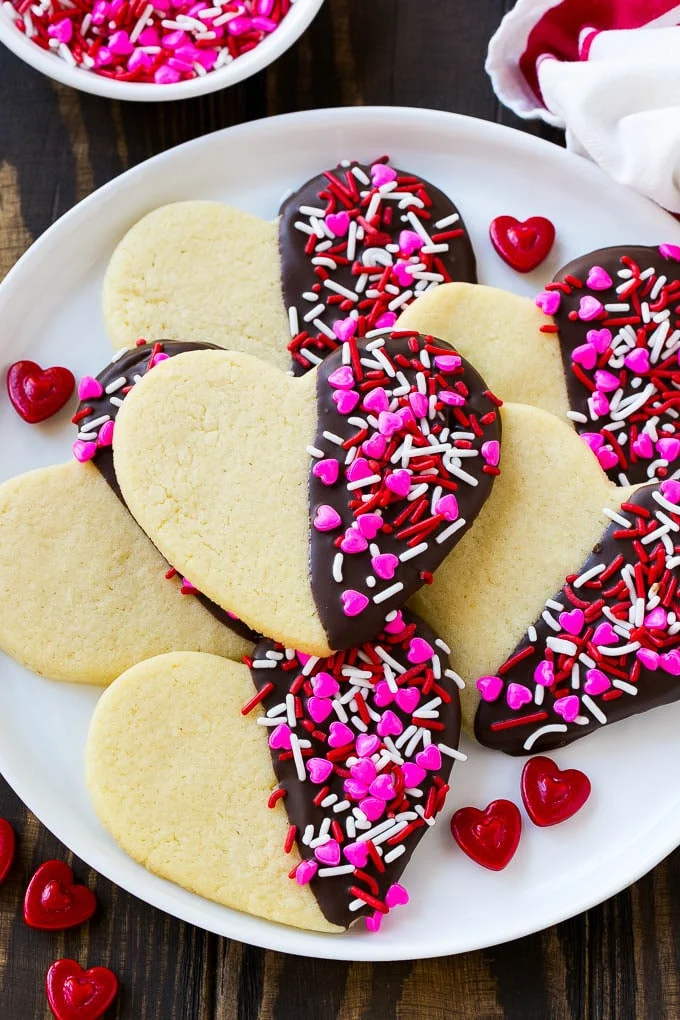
x,y
50,311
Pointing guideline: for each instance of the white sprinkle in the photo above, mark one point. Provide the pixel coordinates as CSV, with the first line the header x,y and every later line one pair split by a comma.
x,y
308,835
116,385
394,853
594,709
355,905
314,451
360,175
551,621
332,438
263,664
458,680
297,757
415,551
552,728
290,709
452,752
117,401
531,634
619,518
561,646
447,221
451,530
299,225
340,869
339,710
404,737
323,328
386,657
588,574
387,593
264,721
623,686
539,694
342,805
361,482
577,416
337,567
309,665
350,827
308,316
619,649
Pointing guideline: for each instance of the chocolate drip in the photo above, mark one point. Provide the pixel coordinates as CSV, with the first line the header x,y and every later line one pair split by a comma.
x,y
499,727
124,369
334,893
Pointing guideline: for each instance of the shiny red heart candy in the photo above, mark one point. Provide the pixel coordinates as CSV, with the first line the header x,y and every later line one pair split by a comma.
x,y
77,994
551,795
38,393
6,848
53,901
489,837
523,245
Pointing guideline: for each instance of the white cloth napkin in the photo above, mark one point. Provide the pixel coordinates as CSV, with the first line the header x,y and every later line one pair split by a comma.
x,y
615,91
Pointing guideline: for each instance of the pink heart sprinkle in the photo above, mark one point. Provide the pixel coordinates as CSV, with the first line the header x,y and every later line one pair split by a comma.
x,y
597,682
606,381
548,301
372,807
375,446
327,470
607,458
354,789
84,451
600,339
567,707
430,759
637,360
599,279
302,657
340,735
345,400
382,174
491,452
89,388
668,448
376,400
389,724
319,769
279,738
670,251
648,657
399,482
62,30
319,708
367,744
370,525
402,273
358,469
389,423
657,619
342,378
383,788
599,403
328,853
405,415
324,685
407,698
642,446
419,404
544,673
451,399
157,358
396,624
356,854
448,362
605,635
305,871
594,440
373,921
345,329
119,43
670,662
338,223
419,651
585,355
396,896
386,320
447,506
353,541
353,602
572,621
383,694
105,437
409,242
326,518
363,771
670,490
384,565
589,308
490,687
517,695
413,775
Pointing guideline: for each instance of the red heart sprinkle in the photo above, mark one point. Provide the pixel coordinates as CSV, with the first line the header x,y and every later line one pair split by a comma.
x,y
77,994
6,848
551,795
38,393
523,245
489,837
53,901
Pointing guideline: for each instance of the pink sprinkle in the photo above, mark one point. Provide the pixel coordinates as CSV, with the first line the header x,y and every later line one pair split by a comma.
x,y
386,320
338,223
376,400
490,687
328,853
599,403
657,619
451,398
402,271
407,698
239,25
367,743
399,482
572,621
263,24
669,448
345,400
491,452
342,378
447,506
642,446
430,758
373,921
567,707
670,251
319,769
589,308
319,708
597,682
327,470
396,896
517,695
83,451
670,662
384,565
637,360
353,602
389,724
89,388
548,301
279,738
324,685
594,440
544,673
413,775
326,519
356,854
372,807
396,625
353,542
606,381
419,404
382,174
61,30
375,446
383,787
364,771
607,458
105,437
448,362
359,469
419,651
388,423
648,657
605,635
165,75
119,43
600,339
370,525
410,241
599,279
585,355
305,871
345,329
670,489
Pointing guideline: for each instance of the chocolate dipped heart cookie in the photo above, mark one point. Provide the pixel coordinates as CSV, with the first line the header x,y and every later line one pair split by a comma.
x,y
311,508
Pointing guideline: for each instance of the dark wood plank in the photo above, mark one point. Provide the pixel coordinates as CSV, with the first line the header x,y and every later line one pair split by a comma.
x,y
618,961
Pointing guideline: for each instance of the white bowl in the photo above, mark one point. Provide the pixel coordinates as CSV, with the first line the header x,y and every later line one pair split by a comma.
x,y
290,29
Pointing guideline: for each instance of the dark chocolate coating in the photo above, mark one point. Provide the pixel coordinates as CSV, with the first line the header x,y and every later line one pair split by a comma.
x,y
135,362
654,688
573,333
333,893
344,631
298,274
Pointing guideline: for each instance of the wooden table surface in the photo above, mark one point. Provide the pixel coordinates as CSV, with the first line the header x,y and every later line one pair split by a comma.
x,y
620,960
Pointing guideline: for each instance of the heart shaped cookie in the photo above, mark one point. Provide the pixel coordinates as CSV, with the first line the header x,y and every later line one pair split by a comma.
x,y
82,591
314,522
327,773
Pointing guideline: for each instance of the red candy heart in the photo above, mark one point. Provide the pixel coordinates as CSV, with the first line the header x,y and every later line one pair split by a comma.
x,y
77,994
523,245
6,848
489,837
53,901
551,795
38,393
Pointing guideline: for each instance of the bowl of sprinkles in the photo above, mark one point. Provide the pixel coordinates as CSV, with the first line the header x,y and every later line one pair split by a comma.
x,y
152,50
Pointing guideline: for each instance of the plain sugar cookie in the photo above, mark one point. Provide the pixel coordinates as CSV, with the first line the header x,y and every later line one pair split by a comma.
x,y
83,594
